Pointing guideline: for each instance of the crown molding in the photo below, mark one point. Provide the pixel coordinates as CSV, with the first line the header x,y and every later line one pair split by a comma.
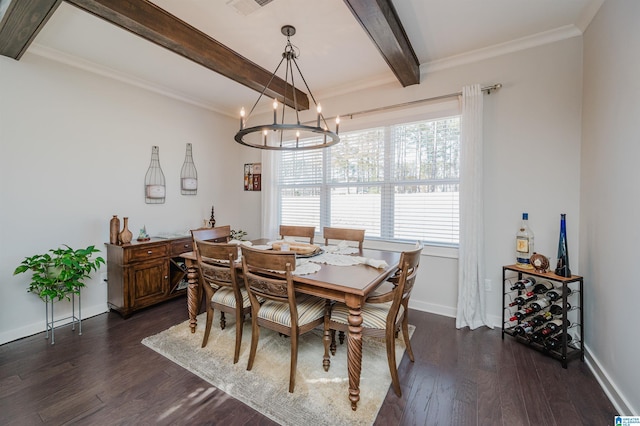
x,y
540,39
93,67
588,14
547,37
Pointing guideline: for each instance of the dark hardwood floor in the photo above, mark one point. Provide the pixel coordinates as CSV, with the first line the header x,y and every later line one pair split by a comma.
x,y
460,377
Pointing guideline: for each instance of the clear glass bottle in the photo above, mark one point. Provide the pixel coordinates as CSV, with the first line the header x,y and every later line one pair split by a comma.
x,y
189,174
524,244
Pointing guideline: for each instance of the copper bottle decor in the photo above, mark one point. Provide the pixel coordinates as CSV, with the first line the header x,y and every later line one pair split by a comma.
x,y
114,229
125,235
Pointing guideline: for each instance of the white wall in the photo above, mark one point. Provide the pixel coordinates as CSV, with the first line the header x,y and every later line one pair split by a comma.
x,y
609,206
75,149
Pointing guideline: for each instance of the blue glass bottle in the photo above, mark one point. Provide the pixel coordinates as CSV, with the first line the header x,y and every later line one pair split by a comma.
x,y
562,267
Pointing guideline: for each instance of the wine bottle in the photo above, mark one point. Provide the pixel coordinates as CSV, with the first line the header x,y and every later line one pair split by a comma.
x,y
523,283
538,320
523,300
542,287
522,314
554,295
524,244
540,304
524,328
557,309
553,326
555,342
562,267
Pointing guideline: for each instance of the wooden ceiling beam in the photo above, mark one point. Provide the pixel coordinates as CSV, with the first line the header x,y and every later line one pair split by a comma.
x,y
154,24
380,20
20,22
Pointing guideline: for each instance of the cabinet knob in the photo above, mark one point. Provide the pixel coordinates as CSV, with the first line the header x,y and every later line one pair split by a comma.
x,y
186,246
150,251
166,277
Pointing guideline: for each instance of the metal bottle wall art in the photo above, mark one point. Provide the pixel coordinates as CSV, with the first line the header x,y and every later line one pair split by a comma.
x,y
154,182
189,174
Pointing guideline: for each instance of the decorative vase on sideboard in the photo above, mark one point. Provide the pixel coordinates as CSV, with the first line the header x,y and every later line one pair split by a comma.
x,y
114,229
125,235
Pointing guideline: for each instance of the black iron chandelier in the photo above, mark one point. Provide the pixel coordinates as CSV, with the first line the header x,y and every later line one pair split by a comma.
x,y
281,135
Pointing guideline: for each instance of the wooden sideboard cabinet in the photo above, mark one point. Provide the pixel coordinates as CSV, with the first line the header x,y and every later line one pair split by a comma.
x,y
145,273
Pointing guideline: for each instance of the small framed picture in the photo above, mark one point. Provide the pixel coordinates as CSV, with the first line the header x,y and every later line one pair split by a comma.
x,y
253,177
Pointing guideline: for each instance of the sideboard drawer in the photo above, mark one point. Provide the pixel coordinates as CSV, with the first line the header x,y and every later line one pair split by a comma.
x,y
180,246
146,252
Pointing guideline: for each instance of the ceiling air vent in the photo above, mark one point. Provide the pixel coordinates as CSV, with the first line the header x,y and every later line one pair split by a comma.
x,y
246,7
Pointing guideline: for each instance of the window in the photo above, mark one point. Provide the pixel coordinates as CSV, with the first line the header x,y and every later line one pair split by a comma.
x,y
399,181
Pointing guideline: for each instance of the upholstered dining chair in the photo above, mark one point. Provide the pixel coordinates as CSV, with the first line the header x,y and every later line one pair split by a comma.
x,y
382,316
283,310
222,287
298,231
219,234
343,234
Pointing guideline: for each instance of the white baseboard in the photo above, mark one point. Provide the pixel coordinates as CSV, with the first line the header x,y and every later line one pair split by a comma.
x,y
618,400
39,327
446,311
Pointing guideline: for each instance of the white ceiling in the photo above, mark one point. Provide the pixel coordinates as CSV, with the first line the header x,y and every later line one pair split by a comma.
x,y
337,55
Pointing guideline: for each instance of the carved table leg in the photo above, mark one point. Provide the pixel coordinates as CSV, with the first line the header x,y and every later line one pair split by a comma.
x,y
326,359
354,350
193,296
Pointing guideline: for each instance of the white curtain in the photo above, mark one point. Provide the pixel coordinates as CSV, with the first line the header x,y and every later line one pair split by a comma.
x,y
471,295
270,171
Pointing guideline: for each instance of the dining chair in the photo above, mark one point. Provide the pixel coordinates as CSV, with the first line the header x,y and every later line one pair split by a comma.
x,y
343,234
298,231
222,287
219,234
382,316
283,310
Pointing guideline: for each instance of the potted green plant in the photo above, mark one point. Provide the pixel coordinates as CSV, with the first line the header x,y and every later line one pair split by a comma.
x,y
61,273
238,234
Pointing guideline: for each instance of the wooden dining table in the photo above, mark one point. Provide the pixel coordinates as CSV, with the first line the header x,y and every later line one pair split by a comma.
x,y
348,284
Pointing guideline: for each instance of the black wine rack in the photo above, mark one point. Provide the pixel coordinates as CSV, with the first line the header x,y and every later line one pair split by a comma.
x,y
568,350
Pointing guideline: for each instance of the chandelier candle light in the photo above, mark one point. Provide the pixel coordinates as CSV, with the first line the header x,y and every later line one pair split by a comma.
x,y
287,136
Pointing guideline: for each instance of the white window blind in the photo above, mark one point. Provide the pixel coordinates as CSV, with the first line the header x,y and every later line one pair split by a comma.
x,y
399,181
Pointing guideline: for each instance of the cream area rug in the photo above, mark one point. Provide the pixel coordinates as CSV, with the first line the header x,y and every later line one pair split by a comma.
x,y
320,398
